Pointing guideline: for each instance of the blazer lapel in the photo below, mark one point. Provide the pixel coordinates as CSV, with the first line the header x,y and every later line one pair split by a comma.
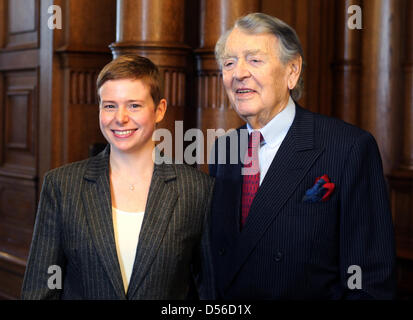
x,y
294,158
98,204
159,207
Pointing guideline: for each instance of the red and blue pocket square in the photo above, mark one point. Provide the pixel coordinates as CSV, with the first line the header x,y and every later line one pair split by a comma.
x,y
321,190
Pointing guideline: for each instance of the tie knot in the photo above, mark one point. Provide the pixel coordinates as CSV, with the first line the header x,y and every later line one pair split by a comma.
x,y
255,139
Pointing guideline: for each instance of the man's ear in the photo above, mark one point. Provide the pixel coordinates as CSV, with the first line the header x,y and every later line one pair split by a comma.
x,y
160,110
295,66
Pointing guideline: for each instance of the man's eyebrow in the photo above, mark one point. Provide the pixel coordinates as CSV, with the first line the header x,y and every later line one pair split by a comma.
x,y
252,52
246,53
228,56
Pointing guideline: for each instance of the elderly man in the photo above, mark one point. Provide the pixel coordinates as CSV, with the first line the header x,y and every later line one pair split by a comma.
x,y
313,221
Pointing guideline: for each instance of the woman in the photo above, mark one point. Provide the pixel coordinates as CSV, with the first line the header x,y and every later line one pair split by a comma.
x,y
117,225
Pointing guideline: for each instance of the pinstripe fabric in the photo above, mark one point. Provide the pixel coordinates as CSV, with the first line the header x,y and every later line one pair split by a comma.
x,y
290,249
74,230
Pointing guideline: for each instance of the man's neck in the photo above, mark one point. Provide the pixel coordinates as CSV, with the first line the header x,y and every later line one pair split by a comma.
x,y
259,121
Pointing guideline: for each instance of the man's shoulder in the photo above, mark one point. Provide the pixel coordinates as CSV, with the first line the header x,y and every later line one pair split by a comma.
x,y
331,129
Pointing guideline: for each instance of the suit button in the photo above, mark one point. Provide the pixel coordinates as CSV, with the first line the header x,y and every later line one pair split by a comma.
x,y
278,256
221,251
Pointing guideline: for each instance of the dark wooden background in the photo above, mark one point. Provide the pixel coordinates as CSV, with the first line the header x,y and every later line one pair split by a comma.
x,y
49,113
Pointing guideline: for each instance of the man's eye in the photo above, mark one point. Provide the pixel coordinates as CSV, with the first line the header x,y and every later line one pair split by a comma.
x,y
228,64
109,107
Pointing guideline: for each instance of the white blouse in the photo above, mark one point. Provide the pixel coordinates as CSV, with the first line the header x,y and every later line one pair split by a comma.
x,y
127,226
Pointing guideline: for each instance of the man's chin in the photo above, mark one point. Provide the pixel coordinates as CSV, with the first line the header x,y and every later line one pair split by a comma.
x,y
245,115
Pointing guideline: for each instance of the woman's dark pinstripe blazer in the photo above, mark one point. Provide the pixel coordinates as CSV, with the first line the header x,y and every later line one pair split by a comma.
x,y
74,231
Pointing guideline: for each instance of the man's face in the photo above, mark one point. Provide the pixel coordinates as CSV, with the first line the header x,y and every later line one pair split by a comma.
x,y
128,115
255,79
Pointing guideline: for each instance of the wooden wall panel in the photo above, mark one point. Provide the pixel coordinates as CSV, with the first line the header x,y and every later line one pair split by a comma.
x,y
79,127
3,23
346,65
19,78
61,74
407,149
309,18
22,24
401,179
18,202
11,275
164,42
212,105
18,154
381,102
88,26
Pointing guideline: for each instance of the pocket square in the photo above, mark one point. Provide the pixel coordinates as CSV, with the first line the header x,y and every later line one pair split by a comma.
x,y
321,190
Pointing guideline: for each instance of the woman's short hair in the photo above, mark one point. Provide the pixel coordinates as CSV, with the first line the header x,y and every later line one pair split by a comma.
x,y
134,67
289,43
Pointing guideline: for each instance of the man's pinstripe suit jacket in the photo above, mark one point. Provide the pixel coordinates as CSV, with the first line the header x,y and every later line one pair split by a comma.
x,y
292,249
74,230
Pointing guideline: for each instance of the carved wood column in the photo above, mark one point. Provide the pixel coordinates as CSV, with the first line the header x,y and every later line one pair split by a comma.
x,y
82,50
156,29
407,150
401,180
213,108
347,65
381,81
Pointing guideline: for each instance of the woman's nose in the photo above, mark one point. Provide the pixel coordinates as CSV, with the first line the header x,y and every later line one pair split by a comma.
x,y
122,115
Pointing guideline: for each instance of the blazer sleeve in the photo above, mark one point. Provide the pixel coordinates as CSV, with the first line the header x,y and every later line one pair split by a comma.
x,y
366,229
204,276
42,276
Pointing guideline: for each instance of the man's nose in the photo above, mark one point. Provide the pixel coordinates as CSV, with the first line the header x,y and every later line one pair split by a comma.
x,y
122,115
241,70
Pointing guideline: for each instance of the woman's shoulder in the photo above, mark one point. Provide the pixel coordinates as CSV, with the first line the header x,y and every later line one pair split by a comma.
x,y
72,170
189,171
193,182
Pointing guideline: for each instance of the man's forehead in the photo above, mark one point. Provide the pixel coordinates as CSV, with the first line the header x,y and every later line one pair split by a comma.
x,y
239,42
231,53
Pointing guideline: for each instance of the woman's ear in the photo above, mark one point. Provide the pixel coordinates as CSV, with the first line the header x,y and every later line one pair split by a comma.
x,y
295,71
160,110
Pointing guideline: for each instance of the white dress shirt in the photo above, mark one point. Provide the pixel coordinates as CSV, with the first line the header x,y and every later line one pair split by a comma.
x,y
274,133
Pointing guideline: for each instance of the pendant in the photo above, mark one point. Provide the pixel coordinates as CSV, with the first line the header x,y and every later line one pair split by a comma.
x,y
131,187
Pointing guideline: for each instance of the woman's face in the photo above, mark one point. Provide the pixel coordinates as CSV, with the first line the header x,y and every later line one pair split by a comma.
x,y
128,115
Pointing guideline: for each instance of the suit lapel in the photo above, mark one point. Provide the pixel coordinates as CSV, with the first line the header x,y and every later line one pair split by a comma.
x,y
159,207
231,194
98,204
294,158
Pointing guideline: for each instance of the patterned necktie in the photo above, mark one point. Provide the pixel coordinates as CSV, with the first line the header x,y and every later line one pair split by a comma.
x,y
250,182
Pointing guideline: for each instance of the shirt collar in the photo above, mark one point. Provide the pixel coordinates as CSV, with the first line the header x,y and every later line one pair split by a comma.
x,y
276,129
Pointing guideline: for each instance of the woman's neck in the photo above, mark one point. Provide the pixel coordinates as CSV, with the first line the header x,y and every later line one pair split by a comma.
x,y
138,163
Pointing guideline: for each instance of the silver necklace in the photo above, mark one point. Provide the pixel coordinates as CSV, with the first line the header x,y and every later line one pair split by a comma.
x,y
131,186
